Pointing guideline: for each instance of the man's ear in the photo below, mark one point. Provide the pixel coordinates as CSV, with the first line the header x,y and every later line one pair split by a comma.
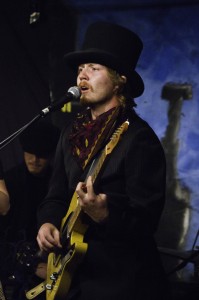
x,y
119,87
124,78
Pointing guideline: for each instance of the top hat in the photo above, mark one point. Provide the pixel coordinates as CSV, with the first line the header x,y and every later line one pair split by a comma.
x,y
113,46
40,138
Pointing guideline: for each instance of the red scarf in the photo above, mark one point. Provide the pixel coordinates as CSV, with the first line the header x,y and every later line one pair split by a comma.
x,y
86,132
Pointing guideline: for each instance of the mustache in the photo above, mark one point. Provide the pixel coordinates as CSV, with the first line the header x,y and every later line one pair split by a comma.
x,y
84,84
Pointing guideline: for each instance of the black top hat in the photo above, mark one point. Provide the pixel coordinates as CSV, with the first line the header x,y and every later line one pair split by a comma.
x,y
113,46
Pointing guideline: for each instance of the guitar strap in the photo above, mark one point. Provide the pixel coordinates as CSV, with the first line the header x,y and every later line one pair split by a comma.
x,y
104,135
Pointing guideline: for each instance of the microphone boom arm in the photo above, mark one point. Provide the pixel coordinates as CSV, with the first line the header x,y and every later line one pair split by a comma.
x,y
72,94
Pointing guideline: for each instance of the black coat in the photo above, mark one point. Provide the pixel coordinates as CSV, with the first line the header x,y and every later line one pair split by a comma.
x,y
18,229
26,193
122,260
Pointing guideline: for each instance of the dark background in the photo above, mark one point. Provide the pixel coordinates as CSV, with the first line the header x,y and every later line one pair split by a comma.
x,y
32,76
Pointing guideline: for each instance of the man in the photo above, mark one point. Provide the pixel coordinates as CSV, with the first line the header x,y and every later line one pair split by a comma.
x,y
122,206
27,184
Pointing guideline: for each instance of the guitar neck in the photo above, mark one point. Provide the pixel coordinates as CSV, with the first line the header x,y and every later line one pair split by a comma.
x,y
96,165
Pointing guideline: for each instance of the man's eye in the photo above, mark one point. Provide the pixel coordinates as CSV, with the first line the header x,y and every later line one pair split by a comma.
x,y
95,68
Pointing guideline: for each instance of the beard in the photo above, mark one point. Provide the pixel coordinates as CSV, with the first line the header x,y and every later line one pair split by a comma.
x,y
86,101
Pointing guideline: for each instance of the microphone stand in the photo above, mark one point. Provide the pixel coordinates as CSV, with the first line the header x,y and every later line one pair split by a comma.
x,y
191,256
72,94
10,138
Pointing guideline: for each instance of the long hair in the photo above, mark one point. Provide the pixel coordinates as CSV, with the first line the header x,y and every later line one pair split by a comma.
x,y
124,97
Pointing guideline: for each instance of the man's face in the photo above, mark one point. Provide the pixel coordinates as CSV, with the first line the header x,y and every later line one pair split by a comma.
x,y
95,83
35,165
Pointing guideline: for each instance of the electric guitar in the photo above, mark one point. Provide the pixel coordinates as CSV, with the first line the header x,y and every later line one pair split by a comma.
x,y
62,265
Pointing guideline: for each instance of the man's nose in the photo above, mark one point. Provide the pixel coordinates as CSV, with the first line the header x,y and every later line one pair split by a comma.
x,y
34,158
84,75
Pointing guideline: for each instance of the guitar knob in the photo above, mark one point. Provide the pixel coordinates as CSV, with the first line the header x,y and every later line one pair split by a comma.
x,y
49,286
53,276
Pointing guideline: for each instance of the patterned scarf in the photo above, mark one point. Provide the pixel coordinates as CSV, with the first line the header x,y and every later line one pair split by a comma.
x,y
88,135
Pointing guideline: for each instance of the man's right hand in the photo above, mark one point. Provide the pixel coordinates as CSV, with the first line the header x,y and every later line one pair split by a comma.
x,y
48,237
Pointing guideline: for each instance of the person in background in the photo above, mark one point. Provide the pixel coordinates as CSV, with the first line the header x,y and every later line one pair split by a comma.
x,y
121,207
4,195
4,208
27,184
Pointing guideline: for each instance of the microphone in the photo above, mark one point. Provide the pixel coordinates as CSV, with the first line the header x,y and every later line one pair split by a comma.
x,y
72,94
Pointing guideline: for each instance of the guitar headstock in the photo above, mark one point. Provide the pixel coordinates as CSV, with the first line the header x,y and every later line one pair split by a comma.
x,y
116,137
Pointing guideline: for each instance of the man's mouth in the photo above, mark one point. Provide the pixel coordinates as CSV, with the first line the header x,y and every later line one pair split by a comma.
x,y
34,165
84,88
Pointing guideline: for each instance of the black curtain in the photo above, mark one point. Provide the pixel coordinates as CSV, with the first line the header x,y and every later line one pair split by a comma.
x,y
31,70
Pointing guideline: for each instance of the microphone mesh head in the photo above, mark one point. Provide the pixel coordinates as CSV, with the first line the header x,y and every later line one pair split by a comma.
x,y
75,91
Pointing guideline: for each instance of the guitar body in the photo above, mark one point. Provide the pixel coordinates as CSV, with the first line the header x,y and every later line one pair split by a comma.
x,y
61,267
